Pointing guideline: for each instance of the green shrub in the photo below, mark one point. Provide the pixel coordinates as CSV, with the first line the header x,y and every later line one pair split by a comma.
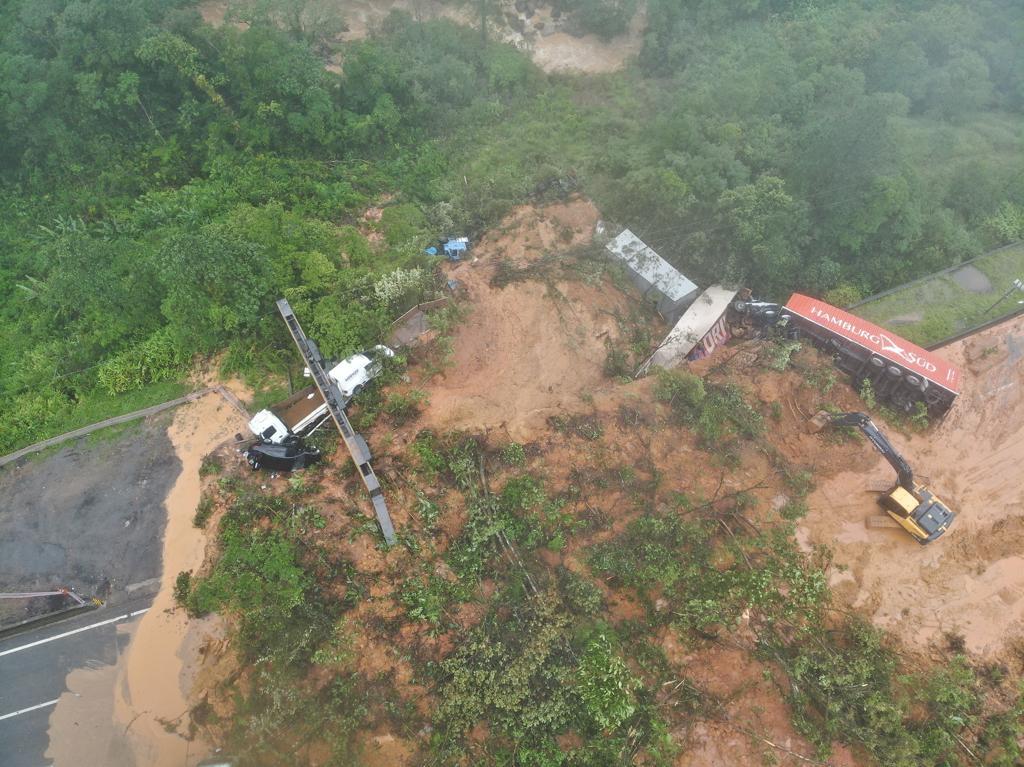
x,y
158,358
424,599
183,587
682,390
404,224
580,595
402,408
515,680
431,461
203,512
428,510
513,454
256,568
793,511
605,684
867,394
823,378
780,352
212,464
919,418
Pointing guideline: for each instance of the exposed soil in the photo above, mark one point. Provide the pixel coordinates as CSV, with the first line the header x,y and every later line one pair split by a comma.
x,y
155,682
753,724
553,45
531,349
535,349
563,52
971,581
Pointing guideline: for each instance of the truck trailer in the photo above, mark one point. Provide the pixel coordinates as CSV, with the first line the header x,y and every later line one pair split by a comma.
x,y
304,411
900,373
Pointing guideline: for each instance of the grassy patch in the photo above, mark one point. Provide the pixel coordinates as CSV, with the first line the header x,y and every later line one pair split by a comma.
x,y
935,308
95,406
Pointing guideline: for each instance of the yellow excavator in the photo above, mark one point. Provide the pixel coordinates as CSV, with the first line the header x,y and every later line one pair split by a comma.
x,y
914,507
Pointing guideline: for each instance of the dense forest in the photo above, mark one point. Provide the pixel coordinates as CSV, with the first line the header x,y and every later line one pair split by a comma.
x,y
163,181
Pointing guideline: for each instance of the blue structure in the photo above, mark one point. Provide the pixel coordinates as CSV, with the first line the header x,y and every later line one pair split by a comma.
x,y
454,247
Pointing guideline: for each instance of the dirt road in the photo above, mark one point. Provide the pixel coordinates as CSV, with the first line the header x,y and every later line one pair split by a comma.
x,y
970,583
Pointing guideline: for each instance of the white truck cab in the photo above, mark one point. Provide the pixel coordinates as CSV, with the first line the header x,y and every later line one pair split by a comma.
x,y
305,410
268,427
353,373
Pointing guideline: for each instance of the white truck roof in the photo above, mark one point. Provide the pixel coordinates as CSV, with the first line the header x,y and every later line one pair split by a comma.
x,y
693,326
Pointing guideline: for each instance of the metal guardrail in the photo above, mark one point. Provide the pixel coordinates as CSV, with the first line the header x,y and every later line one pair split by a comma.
x,y
424,307
39,621
976,329
932,276
336,407
125,418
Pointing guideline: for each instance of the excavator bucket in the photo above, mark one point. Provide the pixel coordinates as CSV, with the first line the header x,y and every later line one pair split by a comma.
x,y
820,420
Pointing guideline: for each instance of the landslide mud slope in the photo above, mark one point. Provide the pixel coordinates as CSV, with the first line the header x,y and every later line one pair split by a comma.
x,y
535,30
969,583
530,349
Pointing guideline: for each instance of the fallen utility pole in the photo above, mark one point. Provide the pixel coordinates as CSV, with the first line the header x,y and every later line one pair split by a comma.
x,y
336,407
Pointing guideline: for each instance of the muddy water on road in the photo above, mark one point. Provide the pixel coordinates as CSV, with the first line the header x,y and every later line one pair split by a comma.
x,y
152,697
80,730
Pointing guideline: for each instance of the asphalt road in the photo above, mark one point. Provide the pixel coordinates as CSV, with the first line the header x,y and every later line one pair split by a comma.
x,y
90,516
35,665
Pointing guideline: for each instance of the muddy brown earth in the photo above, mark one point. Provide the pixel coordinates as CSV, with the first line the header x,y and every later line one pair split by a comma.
x,y
155,681
552,45
89,516
534,348
969,583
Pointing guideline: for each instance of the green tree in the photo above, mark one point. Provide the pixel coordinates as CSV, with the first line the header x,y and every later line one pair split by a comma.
x,y
217,287
761,232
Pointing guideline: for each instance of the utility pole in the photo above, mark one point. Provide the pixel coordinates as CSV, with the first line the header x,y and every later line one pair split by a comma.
x,y
1017,285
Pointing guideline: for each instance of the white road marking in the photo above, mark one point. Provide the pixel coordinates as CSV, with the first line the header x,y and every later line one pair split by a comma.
x,y
30,708
73,631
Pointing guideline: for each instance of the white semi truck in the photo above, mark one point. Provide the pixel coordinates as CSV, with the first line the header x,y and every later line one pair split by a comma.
x,y
305,410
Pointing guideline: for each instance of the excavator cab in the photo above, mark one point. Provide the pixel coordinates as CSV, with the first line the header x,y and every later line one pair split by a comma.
x,y
919,513
912,506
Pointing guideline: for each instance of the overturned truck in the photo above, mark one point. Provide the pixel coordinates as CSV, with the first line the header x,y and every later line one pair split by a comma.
x,y
901,374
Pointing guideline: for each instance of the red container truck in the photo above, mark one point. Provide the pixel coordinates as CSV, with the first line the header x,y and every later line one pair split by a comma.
x,y
901,373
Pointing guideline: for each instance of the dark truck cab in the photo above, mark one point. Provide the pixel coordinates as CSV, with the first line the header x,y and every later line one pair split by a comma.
x,y
287,456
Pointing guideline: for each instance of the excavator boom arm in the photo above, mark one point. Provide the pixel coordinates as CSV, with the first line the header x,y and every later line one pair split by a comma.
x,y
881,443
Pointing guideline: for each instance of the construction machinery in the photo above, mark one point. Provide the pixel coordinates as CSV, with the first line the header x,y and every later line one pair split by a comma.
x,y
914,507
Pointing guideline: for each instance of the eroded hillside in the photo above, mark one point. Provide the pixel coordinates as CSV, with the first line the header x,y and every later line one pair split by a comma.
x,y
593,570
